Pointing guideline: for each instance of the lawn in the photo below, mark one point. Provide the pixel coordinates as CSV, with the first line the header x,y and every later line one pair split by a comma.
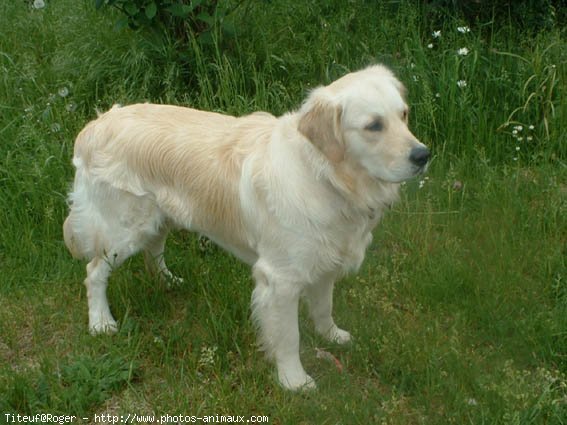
x,y
459,313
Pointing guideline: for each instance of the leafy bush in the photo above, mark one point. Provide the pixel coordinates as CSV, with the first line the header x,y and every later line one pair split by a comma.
x,y
178,18
531,15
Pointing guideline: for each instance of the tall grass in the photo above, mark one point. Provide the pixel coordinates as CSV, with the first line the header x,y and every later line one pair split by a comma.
x,y
460,311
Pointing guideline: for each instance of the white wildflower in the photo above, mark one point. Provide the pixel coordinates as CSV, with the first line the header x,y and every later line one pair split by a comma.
x,y
38,4
436,34
63,92
461,83
529,138
517,148
463,51
531,127
463,30
71,107
518,127
207,357
430,46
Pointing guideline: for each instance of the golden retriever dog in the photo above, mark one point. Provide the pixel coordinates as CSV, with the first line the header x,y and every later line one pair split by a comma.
x,y
296,196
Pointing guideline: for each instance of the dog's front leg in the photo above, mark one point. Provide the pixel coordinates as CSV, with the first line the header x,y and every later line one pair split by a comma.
x,y
275,303
319,296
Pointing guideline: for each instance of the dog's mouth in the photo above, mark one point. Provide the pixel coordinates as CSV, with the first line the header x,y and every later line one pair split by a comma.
x,y
414,172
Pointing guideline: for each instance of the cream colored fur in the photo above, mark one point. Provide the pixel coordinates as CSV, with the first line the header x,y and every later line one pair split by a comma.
x,y
296,197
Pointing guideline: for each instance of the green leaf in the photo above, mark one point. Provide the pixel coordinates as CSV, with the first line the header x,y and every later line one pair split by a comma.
x,y
206,18
98,4
151,10
131,8
121,23
206,38
180,10
228,27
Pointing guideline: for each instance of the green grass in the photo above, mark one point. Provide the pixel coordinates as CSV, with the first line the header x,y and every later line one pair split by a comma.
x,y
459,313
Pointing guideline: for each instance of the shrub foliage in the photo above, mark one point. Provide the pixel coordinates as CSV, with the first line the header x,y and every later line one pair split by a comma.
x,y
179,18
532,15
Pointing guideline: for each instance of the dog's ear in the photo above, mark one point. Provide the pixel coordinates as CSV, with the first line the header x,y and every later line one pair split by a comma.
x,y
321,124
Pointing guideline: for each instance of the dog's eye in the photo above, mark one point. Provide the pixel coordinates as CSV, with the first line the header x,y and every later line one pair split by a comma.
x,y
376,125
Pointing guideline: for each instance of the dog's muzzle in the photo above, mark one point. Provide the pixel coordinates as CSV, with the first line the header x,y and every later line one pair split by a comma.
x,y
419,157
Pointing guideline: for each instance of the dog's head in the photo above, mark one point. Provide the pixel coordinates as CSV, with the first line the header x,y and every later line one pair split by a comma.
x,y
363,117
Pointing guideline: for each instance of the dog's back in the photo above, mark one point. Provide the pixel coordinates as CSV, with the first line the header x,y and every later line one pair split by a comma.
x,y
141,165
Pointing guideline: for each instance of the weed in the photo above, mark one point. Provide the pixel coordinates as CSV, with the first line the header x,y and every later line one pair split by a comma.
x,y
76,385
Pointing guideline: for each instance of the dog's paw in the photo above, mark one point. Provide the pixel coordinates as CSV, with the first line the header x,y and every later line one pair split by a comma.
x,y
173,281
339,336
299,381
103,326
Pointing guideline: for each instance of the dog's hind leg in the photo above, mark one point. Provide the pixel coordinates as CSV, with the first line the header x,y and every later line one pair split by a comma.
x,y
100,317
154,258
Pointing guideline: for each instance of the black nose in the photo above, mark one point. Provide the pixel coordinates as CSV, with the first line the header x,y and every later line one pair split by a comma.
x,y
419,156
